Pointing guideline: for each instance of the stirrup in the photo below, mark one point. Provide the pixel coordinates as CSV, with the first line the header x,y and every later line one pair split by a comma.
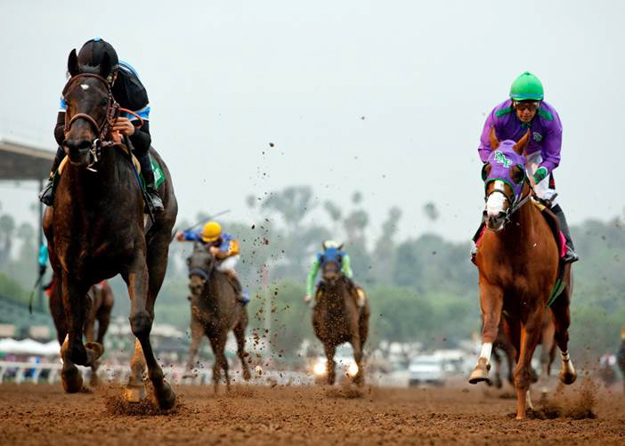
x,y
570,256
155,201
46,196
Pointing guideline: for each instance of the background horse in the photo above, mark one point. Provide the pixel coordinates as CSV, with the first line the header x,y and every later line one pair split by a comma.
x,y
503,346
336,317
215,310
95,230
100,301
620,357
518,264
197,331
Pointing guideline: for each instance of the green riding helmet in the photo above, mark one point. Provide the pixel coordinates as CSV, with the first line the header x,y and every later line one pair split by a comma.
x,y
527,87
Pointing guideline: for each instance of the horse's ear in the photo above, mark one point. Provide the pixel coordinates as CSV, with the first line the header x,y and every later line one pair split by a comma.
x,y
323,246
520,146
341,247
105,65
72,63
494,142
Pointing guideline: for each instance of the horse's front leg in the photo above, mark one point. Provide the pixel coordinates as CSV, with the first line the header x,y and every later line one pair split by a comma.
x,y
141,318
197,331
73,351
491,301
218,344
530,336
330,350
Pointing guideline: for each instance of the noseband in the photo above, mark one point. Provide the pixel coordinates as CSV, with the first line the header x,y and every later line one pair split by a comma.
x,y
513,204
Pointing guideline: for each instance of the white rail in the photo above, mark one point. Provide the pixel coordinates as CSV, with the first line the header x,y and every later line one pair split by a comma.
x,y
50,372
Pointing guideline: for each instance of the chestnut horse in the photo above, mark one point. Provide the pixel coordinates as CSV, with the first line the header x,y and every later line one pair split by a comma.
x,y
100,301
518,263
95,230
336,317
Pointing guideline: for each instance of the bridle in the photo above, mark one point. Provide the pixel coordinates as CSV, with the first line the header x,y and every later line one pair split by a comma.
x,y
513,204
112,108
102,129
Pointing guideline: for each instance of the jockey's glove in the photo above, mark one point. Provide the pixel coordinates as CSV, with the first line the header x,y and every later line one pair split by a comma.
x,y
540,174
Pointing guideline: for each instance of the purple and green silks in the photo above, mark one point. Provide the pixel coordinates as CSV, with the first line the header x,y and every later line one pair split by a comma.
x,y
502,161
546,132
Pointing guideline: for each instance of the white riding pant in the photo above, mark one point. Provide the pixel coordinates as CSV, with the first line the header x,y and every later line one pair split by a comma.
x,y
228,265
542,190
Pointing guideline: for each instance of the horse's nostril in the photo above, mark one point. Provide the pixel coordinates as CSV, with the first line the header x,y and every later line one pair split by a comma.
x,y
77,146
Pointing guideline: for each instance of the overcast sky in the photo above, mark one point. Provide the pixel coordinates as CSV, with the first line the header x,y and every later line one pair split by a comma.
x,y
227,78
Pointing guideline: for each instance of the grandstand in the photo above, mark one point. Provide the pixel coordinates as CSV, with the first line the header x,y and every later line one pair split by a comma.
x,y
24,162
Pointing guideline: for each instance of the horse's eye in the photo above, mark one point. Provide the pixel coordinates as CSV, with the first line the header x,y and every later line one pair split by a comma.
x,y
339,258
104,101
322,259
518,174
485,171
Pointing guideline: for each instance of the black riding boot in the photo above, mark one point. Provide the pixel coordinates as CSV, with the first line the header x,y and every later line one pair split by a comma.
x,y
46,196
242,296
570,255
148,176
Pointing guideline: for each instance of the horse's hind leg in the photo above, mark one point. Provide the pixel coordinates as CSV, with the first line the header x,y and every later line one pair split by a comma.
x,y
547,344
359,378
141,318
330,350
497,359
239,333
530,335
562,318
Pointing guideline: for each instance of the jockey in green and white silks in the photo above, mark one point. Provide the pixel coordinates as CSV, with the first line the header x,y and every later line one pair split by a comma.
x,y
346,269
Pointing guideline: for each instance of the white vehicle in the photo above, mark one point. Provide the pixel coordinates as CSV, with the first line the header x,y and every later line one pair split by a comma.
x,y
427,369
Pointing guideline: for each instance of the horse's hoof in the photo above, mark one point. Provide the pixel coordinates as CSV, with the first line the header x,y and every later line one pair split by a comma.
x,y
480,372
94,381
567,377
71,379
166,398
94,351
134,394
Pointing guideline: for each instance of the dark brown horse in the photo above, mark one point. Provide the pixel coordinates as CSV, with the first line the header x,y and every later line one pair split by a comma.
x,y
100,303
215,310
96,230
337,319
518,264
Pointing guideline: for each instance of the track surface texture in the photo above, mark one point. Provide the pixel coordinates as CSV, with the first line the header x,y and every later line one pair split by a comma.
x,y
43,414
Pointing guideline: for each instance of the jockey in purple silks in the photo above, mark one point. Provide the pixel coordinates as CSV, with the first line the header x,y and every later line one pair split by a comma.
x,y
511,119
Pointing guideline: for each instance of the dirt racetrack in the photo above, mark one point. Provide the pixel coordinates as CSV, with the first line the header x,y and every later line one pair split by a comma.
x,y
43,414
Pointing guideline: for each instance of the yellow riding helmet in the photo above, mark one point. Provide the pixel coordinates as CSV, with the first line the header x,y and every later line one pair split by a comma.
x,y
211,232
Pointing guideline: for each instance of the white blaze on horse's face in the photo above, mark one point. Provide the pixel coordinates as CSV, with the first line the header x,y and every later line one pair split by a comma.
x,y
495,203
84,86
